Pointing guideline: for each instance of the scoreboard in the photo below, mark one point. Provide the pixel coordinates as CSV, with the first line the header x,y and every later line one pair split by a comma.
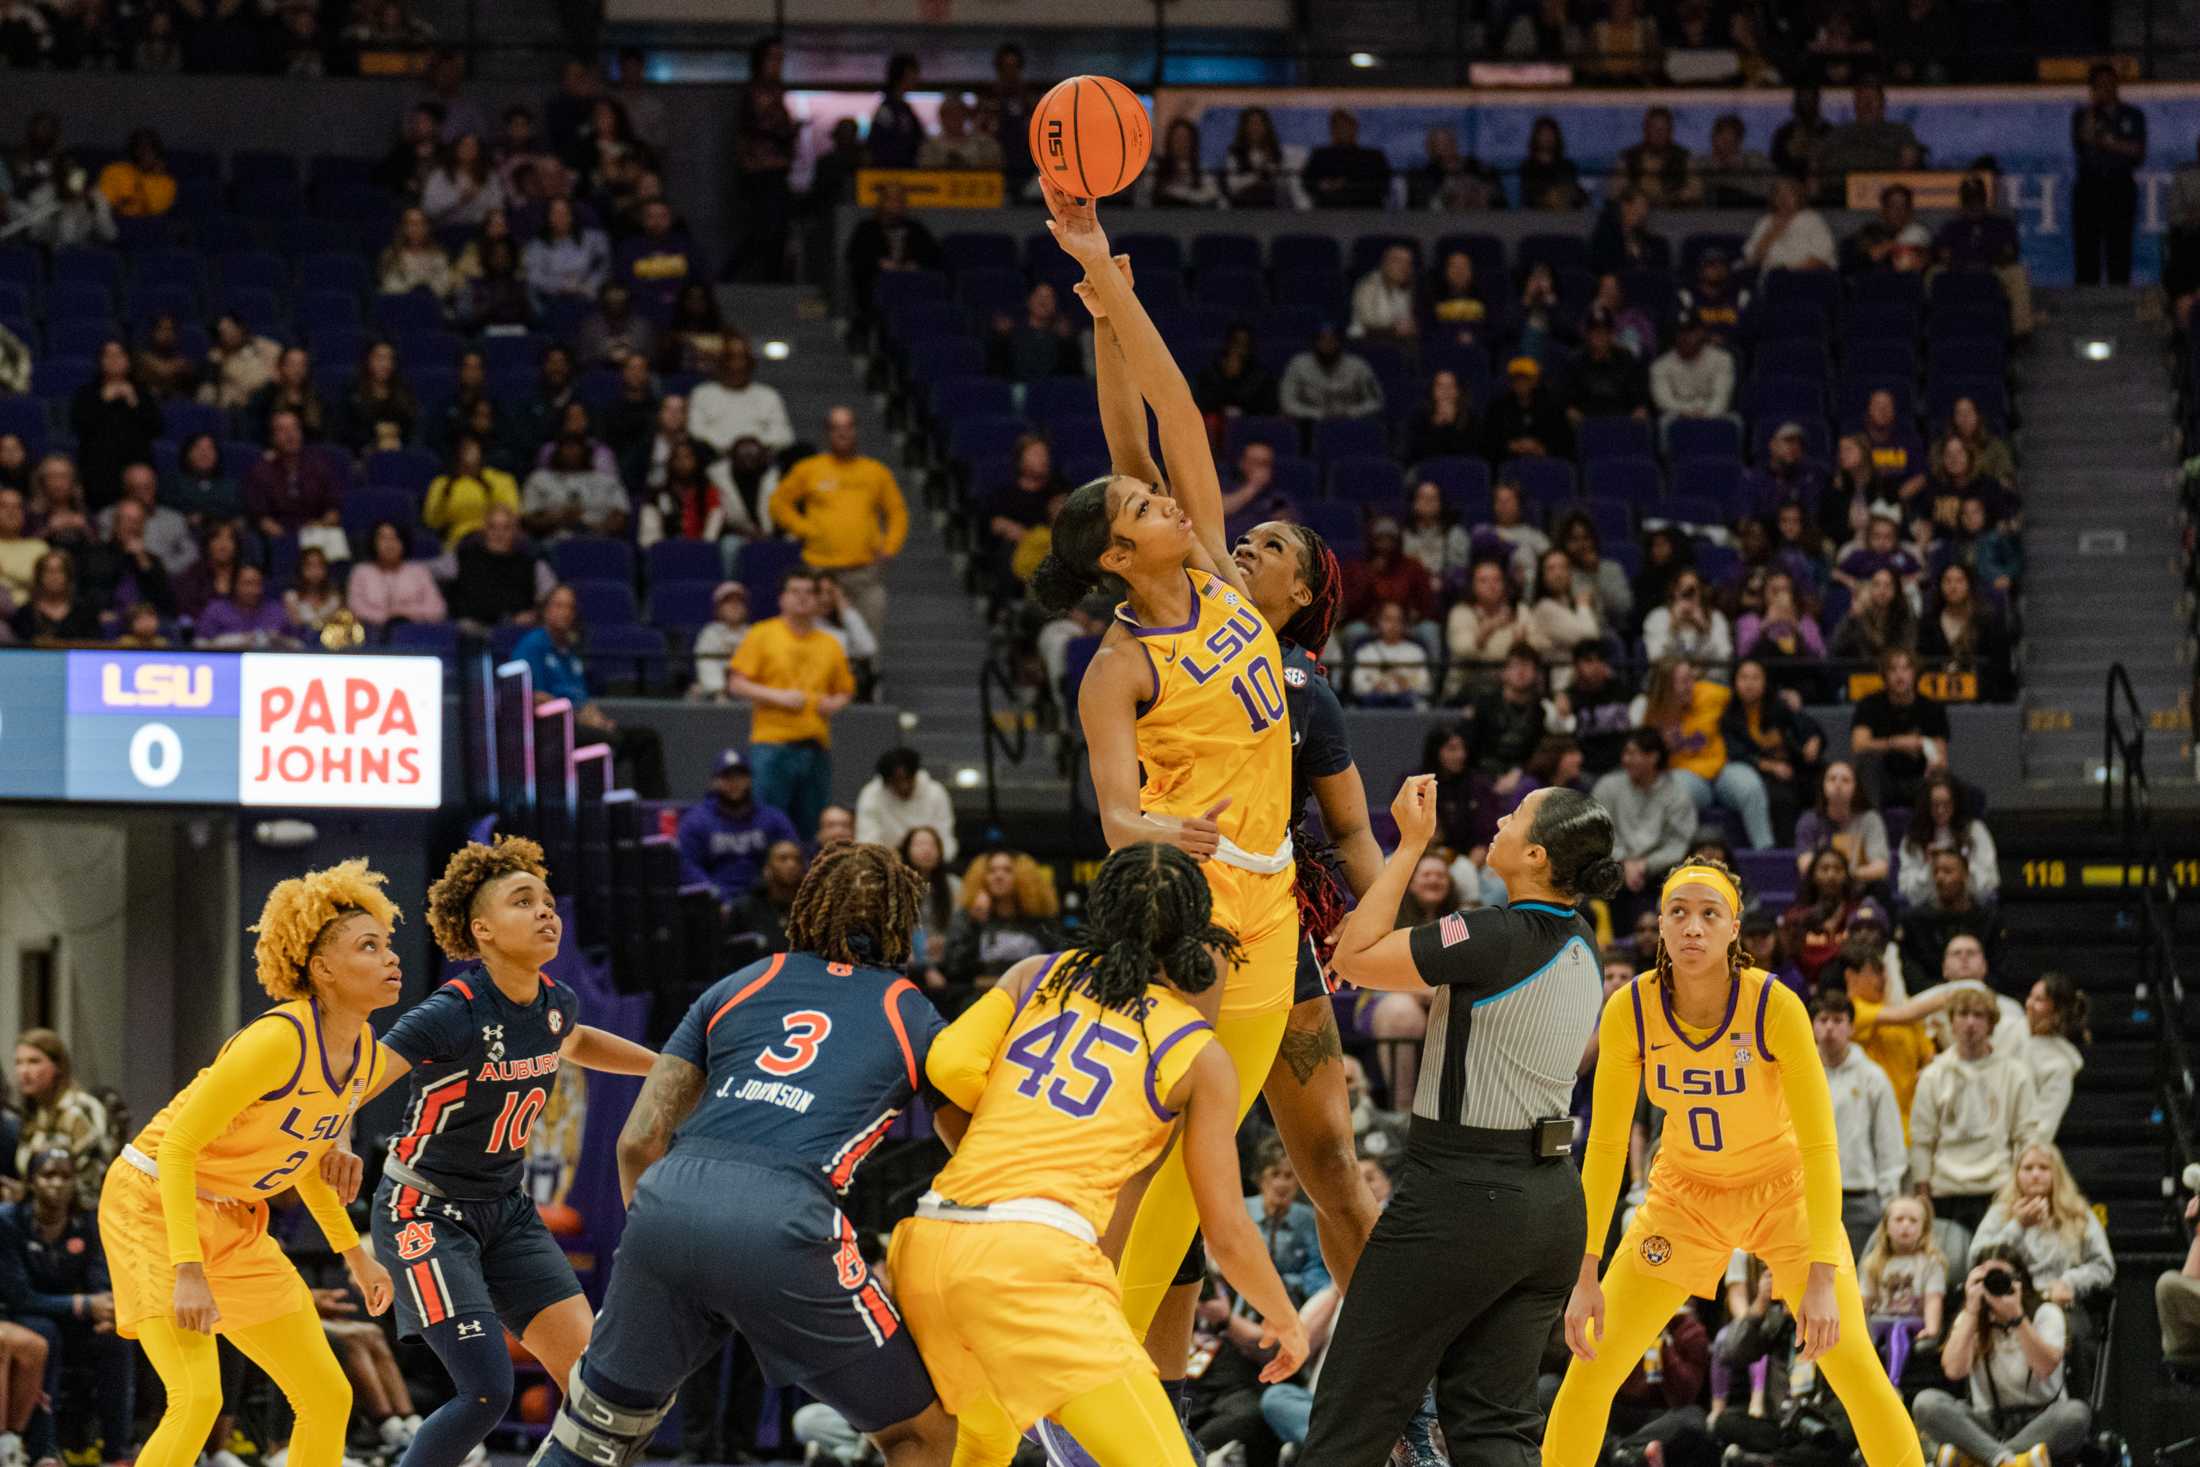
x,y
212,728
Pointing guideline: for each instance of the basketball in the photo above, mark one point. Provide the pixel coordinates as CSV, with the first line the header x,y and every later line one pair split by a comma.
x,y
562,1220
520,1354
536,1404
1090,136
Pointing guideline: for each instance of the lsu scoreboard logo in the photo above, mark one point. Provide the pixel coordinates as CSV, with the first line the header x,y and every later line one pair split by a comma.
x,y
260,729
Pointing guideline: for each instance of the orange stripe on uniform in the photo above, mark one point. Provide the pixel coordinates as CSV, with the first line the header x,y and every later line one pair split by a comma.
x,y
881,1312
432,1306
758,982
463,987
901,1034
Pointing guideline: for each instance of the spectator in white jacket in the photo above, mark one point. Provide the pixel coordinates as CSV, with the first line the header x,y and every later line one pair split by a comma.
x,y
463,188
566,259
1973,1109
734,404
2049,1042
1694,378
2041,1213
900,798
1688,625
1382,303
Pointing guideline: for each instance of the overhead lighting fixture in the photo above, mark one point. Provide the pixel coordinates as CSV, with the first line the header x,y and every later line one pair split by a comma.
x,y
777,351
2097,350
1365,59
968,777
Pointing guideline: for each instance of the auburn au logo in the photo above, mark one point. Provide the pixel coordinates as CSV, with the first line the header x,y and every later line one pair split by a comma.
x,y
414,1239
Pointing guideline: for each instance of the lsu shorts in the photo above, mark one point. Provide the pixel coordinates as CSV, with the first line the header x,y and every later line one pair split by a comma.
x,y
1686,1231
251,1279
1262,912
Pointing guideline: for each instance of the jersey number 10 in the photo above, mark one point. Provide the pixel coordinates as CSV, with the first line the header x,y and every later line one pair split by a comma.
x,y
1256,689
1037,1049
517,1120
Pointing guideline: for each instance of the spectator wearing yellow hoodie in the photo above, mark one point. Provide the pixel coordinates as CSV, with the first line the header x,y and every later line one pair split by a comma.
x,y
847,510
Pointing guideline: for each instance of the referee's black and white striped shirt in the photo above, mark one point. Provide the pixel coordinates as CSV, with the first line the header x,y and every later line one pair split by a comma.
x,y
1518,992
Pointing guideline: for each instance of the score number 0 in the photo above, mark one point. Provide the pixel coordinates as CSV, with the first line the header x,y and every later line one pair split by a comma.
x,y
156,756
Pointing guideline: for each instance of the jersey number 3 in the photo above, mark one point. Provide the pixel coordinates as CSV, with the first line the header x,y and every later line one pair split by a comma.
x,y
797,1051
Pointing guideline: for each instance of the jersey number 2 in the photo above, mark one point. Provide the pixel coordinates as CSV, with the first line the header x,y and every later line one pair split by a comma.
x,y
806,1030
1037,1049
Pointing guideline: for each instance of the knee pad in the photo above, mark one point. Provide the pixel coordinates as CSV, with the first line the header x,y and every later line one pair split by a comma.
x,y
1194,1267
600,1431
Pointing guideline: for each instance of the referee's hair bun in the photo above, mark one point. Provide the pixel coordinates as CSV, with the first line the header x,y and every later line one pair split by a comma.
x,y
1599,879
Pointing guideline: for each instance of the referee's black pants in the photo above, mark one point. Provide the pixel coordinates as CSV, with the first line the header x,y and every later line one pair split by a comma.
x,y
1465,1277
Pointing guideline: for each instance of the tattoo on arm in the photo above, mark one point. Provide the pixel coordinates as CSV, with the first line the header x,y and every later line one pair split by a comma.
x,y
668,1096
1307,1050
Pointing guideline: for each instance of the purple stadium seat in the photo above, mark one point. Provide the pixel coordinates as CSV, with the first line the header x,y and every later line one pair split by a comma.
x,y
1703,438
410,469
1365,478
762,565
1630,480
1615,438
1342,438
1218,251
683,603
1320,252
978,250
683,560
1547,479
625,654
1278,432
593,558
605,603
1151,252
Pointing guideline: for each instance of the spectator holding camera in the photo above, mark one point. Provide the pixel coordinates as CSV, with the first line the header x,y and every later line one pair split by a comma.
x,y
2009,1342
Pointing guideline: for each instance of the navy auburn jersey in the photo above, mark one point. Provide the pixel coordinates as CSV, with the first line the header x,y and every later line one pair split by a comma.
x,y
1318,749
483,1068
807,1058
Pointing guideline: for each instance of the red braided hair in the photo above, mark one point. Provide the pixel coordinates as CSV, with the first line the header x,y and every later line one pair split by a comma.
x,y
1321,894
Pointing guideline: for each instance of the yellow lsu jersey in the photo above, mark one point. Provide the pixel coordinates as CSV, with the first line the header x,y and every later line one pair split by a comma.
x,y
1074,1101
285,1129
1217,724
1726,1112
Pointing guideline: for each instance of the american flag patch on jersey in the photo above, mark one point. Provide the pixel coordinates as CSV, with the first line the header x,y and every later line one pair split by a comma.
x,y
1452,930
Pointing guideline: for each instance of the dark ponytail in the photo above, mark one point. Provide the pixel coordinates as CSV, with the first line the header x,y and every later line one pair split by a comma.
x,y
1576,835
1082,531
1148,909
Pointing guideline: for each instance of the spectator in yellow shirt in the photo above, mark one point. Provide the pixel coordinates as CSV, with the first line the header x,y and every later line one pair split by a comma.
x,y
1686,709
848,513
139,186
795,677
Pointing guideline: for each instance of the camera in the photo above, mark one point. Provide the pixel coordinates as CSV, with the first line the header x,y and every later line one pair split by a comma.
x,y
2001,1283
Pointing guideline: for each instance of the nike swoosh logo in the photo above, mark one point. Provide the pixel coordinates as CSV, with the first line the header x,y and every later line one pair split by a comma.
x,y
1656,1047
305,1092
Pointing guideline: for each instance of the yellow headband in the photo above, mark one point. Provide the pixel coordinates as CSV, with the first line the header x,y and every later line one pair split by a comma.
x,y
1709,876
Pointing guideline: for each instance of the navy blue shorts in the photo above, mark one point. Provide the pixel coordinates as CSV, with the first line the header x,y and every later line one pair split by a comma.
x,y
1313,980
723,1238
451,1257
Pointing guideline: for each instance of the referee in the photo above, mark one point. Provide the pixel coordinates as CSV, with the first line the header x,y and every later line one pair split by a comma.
x,y
1471,1263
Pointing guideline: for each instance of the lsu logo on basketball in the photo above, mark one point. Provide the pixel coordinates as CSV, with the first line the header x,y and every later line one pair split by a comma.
x,y
414,1239
1054,142
1656,1251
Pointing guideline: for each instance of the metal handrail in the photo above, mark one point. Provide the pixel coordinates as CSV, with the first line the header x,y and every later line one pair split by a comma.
x,y
1011,743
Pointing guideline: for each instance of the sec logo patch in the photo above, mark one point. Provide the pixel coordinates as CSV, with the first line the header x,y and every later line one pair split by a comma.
x,y
1656,1250
1295,676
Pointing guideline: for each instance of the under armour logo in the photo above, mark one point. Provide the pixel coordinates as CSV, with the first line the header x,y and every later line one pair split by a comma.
x,y
469,1329
452,1212
492,1035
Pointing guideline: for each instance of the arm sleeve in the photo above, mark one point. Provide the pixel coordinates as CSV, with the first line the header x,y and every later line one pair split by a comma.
x,y
1924,1126
1612,1111
1810,1104
896,510
258,1060
437,1028
786,504
2051,1100
1470,951
921,1022
693,841
962,1055
328,1213
841,679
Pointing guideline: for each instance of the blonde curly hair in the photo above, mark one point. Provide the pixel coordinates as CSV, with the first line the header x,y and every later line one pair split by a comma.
x,y
300,910
472,867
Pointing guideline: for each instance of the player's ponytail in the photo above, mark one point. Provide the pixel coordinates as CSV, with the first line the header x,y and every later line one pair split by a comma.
x,y
1149,912
1082,532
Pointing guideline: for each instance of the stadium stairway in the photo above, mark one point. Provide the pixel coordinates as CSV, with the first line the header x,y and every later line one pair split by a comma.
x,y
2101,581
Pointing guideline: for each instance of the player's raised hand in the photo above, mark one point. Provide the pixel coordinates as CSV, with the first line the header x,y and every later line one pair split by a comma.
x,y
1415,810
1091,297
1075,226
1198,836
1289,1341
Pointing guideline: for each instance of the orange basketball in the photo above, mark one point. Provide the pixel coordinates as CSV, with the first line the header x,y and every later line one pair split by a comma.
x,y
536,1404
1090,136
562,1220
520,1354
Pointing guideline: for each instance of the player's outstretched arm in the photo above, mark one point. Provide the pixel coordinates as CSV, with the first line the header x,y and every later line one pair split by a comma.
x,y
668,1097
1122,410
1184,448
601,1050
1368,950
1208,1096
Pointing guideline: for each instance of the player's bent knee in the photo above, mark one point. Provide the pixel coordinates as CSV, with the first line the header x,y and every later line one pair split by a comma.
x,y
599,1430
